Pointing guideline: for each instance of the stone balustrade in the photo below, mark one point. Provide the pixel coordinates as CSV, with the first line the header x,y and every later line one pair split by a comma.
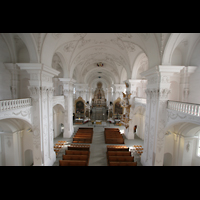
x,y
6,105
188,108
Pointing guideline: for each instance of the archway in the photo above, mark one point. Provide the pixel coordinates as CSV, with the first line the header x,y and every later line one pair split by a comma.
x,y
15,138
137,122
181,145
58,120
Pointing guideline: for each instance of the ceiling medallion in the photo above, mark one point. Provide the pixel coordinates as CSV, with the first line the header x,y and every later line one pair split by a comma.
x,y
100,64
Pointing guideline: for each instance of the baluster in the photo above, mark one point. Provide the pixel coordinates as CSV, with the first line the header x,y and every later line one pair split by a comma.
x,y
11,105
183,108
195,110
174,106
20,104
8,105
186,108
3,105
15,104
198,111
178,106
192,110
189,108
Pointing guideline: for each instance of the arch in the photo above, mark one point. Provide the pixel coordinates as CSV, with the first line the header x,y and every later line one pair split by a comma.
x,y
64,64
58,119
139,62
29,41
125,65
107,74
188,42
137,116
180,143
123,76
15,138
29,122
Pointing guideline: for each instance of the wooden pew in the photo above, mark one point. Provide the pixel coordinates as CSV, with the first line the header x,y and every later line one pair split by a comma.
x,y
83,135
113,136
76,157
76,152
120,159
118,153
83,148
123,164
114,141
117,148
72,163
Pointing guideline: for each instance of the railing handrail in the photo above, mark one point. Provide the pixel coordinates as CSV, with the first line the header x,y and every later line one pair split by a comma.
x,y
15,99
183,102
184,107
6,105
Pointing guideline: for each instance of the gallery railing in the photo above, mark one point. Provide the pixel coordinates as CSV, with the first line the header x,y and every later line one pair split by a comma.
x,y
6,105
189,108
140,100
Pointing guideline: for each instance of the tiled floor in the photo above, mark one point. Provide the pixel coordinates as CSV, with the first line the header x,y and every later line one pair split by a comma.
x,y
98,146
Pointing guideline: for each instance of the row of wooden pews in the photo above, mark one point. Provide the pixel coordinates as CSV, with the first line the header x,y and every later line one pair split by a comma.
x,y
58,146
119,156
83,135
76,155
113,136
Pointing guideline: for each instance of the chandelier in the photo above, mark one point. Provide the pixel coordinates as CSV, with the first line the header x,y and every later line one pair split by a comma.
x,y
100,64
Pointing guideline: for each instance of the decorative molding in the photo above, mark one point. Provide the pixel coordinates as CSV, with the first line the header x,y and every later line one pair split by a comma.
x,y
56,35
69,47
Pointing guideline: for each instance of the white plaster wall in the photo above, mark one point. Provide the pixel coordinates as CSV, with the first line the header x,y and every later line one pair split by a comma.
x,y
23,55
176,57
195,158
168,148
27,145
23,85
5,82
194,89
5,76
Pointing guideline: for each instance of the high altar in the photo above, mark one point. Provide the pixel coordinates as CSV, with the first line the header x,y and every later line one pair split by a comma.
x,y
99,97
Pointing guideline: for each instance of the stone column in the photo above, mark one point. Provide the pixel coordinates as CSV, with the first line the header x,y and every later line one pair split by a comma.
x,y
41,92
68,85
157,91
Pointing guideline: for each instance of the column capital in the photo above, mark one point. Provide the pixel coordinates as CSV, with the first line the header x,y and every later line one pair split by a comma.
x,y
40,74
37,68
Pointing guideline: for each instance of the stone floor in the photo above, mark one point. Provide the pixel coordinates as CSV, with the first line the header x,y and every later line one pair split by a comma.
x,y
98,146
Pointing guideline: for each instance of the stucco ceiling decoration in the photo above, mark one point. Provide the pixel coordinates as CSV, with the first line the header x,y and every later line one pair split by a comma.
x,y
69,47
118,51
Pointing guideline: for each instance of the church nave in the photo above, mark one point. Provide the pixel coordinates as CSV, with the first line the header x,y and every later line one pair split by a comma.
x,y
98,147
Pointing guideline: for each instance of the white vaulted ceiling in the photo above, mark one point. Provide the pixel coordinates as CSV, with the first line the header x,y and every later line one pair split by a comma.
x,y
80,53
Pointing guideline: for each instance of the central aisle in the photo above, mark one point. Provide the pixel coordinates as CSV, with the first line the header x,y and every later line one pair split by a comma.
x,y
98,148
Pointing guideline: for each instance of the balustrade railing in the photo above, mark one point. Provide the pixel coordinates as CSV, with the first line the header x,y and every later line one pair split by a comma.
x,y
189,108
6,105
140,100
